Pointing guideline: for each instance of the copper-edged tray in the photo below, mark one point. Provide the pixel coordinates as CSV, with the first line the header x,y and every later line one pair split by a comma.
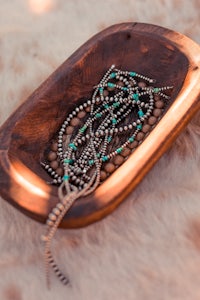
x,y
169,57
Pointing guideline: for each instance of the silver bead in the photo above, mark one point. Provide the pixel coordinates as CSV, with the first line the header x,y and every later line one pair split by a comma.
x,y
52,217
49,223
44,238
56,211
60,206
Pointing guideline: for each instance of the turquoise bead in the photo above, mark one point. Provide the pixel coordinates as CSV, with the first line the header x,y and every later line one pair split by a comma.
x,y
101,90
109,139
66,177
104,158
106,105
82,129
114,121
110,84
124,88
68,161
131,139
132,74
139,126
116,104
119,150
91,162
72,146
98,155
98,115
135,97
140,113
156,90
113,75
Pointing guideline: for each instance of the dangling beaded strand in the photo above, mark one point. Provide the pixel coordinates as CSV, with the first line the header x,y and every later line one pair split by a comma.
x,y
86,146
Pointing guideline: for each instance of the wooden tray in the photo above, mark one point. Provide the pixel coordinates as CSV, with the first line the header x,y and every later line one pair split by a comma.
x,y
167,56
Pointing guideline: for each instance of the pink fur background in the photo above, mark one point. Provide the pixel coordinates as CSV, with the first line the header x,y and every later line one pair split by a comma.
x,y
149,248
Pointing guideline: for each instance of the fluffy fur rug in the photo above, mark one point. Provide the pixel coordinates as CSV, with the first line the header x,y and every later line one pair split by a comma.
x,y
149,248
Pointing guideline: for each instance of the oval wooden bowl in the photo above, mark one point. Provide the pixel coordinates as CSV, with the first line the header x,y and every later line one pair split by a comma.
x,y
167,56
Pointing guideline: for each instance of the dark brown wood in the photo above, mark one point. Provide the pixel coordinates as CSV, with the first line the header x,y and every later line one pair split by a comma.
x,y
167,56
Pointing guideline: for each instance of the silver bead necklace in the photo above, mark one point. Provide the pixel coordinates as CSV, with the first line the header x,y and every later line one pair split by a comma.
x,y
123,106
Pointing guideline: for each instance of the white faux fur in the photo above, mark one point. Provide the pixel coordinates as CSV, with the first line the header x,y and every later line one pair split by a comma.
x,y
149,248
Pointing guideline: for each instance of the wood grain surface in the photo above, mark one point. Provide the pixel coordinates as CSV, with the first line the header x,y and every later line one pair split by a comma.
x,y
167,56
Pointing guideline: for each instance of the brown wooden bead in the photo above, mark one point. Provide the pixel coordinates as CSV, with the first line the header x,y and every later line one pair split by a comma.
x,y
140,136
125,152
75,122
120,83
118,160
54,164
64,137
54,146
159,104
105,93
52,155
69,130
157,97
103,175
109,167
60,171
88,109
157,112
81,114
146,128
142,84
110,89
152,120
133,145
131,83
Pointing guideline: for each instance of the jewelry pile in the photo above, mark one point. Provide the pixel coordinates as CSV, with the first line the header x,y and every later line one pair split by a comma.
x,y
96,138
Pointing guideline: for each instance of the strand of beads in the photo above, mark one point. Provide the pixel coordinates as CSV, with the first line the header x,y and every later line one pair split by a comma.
x,y
97,137
118,96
